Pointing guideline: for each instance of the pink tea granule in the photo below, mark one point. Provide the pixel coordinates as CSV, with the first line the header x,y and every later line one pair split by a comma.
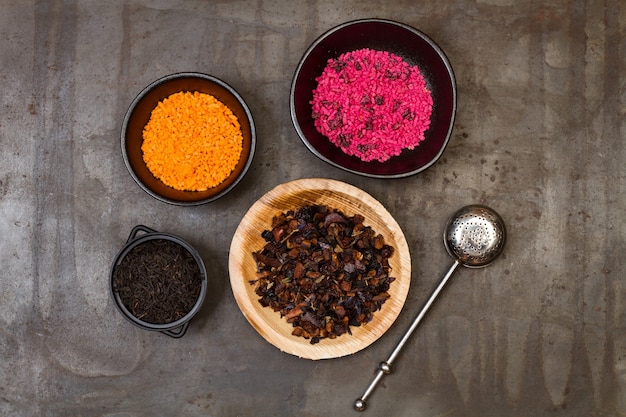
x,y
372,104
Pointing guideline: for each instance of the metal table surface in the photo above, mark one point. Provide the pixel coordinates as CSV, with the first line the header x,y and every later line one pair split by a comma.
x,y
538,136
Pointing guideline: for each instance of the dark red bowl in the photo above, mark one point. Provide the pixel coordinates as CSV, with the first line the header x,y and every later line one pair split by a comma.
x,y
138,115
415,48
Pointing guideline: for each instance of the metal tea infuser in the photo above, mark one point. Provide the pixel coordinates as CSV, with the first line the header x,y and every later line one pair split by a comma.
x,y
474,236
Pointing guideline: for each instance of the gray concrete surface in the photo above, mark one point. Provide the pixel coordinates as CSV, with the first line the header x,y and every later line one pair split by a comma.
x,y
538,136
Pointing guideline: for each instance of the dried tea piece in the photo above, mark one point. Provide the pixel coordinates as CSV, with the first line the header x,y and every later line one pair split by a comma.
x,y
323,271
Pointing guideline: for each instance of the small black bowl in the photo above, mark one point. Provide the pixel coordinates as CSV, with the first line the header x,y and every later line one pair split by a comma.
x,y
139,236
397,38
138,115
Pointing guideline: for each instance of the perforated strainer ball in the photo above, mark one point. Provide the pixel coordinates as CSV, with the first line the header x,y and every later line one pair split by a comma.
x,y
475,236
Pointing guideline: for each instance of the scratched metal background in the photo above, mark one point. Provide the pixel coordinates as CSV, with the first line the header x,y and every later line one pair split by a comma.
x,y
539,136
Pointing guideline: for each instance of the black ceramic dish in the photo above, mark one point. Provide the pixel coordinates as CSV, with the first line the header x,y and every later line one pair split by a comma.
x,y
138,236
415,48
138,115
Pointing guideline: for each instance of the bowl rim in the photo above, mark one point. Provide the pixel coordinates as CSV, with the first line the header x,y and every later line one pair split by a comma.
x,y
175,76
407,27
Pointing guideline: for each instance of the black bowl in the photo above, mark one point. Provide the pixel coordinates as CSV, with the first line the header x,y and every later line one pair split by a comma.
x,y
138,236
138,115
397,38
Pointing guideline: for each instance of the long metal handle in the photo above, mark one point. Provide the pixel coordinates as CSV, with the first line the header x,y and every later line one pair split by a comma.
x,y
384,368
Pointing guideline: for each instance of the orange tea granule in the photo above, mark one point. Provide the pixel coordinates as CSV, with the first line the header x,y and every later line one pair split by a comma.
x,y
192,141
